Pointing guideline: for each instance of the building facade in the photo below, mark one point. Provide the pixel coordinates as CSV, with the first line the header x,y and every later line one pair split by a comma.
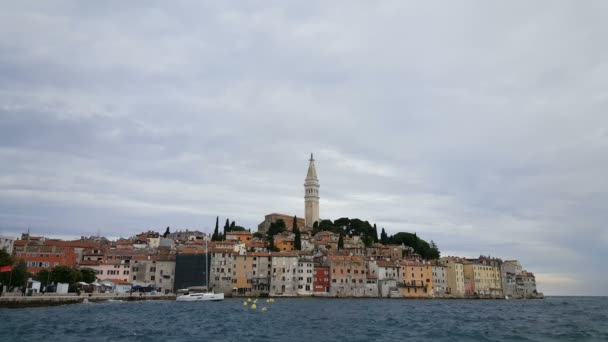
x,y
6,243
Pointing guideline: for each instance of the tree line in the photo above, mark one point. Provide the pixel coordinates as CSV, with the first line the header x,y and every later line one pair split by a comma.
x,y
17,277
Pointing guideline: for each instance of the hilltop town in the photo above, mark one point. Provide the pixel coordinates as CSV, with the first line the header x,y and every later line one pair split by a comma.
x,y
286,256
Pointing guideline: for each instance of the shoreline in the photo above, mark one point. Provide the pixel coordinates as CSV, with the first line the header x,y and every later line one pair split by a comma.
x,y
15,302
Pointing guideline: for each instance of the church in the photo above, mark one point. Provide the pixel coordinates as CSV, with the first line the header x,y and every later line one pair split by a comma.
x,y
311,204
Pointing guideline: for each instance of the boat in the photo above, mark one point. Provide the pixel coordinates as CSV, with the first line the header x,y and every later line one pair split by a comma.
x,y
209,296
202,296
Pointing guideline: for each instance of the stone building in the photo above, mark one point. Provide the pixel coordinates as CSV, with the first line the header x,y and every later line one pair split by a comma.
x,y
274,217
222,269
348,276
454,276
260,276
387,273
284,280
416,279
305,275
439,280
509,271
485,279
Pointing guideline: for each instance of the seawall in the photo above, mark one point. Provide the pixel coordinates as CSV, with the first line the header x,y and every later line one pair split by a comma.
x,y
52,300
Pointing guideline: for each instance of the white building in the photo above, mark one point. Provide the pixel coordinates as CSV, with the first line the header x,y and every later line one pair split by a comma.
x,y
6,243
305,275
440,282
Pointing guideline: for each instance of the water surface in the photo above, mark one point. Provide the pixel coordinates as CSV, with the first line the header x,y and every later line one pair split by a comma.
x,y
299,319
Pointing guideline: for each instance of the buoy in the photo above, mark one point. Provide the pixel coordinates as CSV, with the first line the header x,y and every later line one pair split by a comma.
x,y
249,299
267,300
255,300
264,308
253,306
244,303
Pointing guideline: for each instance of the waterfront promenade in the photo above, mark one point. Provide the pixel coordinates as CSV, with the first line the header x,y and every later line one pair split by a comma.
x,y
17,301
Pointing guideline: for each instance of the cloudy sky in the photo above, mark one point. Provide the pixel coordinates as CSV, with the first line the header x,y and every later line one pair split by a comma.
x,y
480,125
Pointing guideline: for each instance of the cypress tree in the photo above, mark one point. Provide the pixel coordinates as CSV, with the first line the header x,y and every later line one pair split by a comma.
x,y
297,244
294,225
383,237
232,225
341,242
226,228
216,232
375,233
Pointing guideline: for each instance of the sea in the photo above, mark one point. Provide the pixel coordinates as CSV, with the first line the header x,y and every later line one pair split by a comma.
x,y
314,319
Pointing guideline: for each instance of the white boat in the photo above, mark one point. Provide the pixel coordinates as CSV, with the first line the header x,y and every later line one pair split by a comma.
x,y
191,297
202,296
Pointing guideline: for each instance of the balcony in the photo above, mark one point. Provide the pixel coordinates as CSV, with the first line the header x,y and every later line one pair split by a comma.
x,y
412,283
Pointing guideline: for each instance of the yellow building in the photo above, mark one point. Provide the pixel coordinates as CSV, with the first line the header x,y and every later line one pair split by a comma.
x,y
242,275
454,275
243,236
284,242
416,279
484,279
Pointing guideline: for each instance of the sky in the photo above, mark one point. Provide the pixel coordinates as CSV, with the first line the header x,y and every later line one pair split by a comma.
x,y
482,126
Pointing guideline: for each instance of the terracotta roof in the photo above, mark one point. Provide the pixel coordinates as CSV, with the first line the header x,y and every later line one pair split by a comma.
x,y
239,233
260,254
383,263
285,254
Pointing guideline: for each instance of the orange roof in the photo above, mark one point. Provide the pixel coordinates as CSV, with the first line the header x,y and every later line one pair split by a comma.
x,y
286,254
384,263
260,254
239,233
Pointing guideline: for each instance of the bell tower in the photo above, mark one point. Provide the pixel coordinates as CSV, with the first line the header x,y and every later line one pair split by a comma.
x,y
311,195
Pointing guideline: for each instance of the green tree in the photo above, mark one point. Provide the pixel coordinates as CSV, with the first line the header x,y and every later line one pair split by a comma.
x,y
315,228
44,277
277,227
167,232
216,231
341,242
232,225
375,233
66,274
258,235
226,229
88,275
270,243
18,275
297,243
383,237
238,229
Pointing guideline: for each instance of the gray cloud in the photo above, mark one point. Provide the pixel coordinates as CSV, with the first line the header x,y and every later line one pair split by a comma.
x,y
481,126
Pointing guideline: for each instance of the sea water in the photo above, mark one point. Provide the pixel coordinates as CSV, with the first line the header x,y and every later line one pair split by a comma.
x,y
299,319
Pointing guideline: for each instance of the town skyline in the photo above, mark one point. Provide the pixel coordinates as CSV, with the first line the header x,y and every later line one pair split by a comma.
x,y
479,126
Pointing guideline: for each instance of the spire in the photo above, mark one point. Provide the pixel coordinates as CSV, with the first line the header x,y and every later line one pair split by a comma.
x,y
312,171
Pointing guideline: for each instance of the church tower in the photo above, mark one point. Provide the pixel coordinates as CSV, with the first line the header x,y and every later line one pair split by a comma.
x,y
311,195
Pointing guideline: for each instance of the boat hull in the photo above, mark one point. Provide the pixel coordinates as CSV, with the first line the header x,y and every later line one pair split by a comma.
x,y
200,297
